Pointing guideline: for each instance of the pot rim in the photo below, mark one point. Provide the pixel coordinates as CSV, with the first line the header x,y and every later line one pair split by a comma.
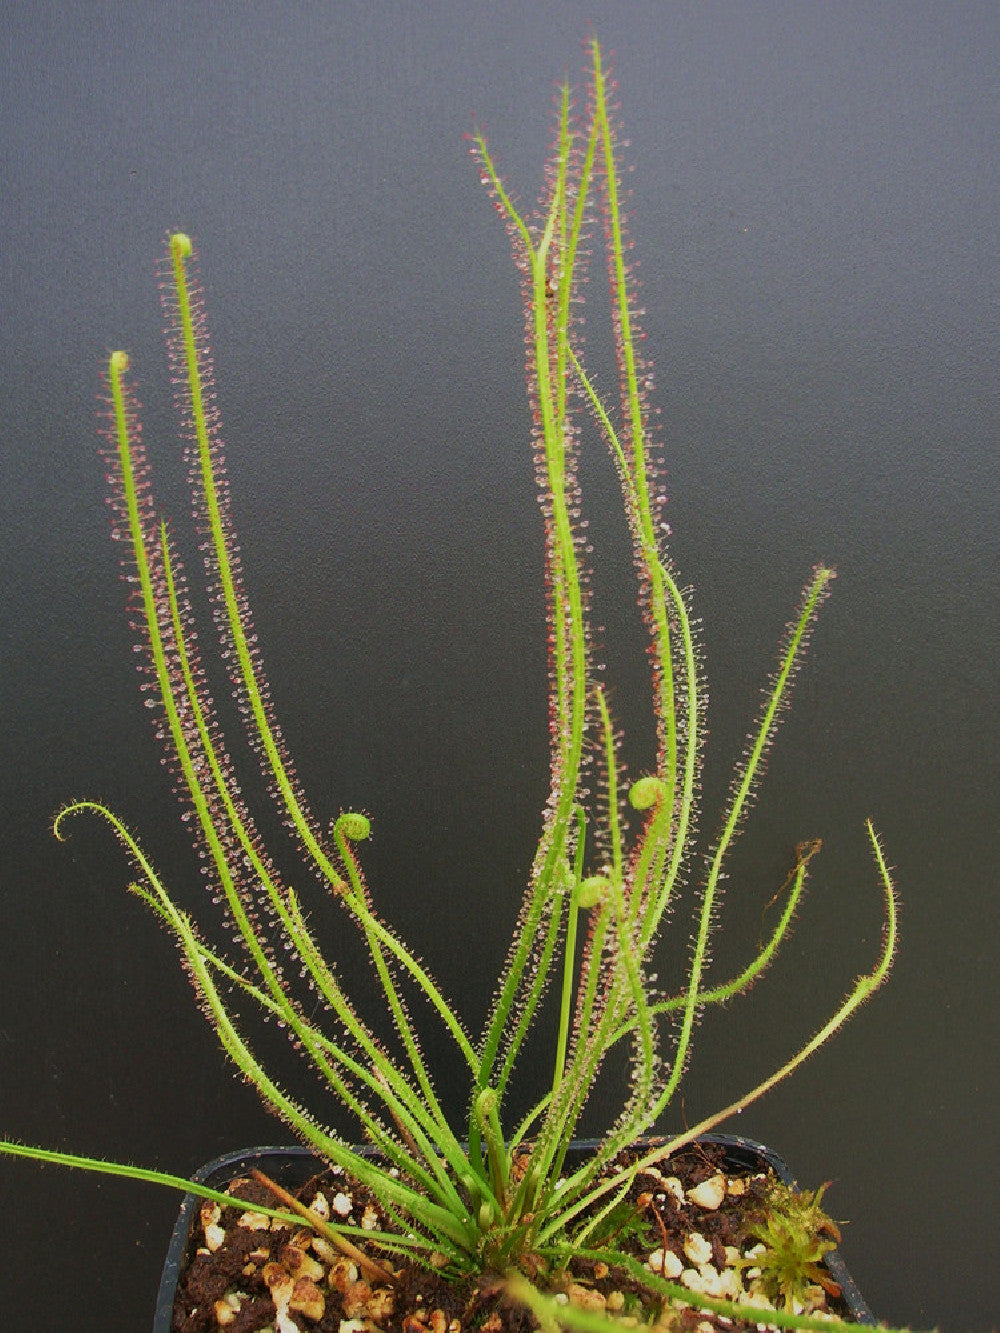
x,y
220,1170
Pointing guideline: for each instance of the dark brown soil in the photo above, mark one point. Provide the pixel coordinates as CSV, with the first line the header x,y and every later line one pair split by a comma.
x,y
235,1284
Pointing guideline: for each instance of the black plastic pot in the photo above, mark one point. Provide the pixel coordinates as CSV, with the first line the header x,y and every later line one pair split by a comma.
x,y
293,1166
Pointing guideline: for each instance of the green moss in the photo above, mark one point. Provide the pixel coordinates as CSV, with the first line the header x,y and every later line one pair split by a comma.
x,y
795,1234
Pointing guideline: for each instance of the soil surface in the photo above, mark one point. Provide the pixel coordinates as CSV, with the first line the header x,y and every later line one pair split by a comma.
x,y
246,1272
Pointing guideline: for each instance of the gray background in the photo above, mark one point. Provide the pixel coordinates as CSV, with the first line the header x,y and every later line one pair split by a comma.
x,y
815,213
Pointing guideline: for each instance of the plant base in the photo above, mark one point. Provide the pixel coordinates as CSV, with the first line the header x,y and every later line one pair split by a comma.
x,y
201,1286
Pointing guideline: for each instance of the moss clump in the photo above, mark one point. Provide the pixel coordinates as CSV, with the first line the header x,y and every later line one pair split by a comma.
x,y
793,1233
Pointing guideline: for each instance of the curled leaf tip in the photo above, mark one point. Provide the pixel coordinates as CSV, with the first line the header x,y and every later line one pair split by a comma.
x,y
118,363
486,1102
592,890
180,244
65,812
645,792
355,826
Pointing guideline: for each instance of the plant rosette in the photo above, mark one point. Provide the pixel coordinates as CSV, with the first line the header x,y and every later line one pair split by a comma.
x,y
699,1222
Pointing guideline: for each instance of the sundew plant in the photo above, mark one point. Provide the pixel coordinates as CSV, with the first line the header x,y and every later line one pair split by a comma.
x,y
487,1192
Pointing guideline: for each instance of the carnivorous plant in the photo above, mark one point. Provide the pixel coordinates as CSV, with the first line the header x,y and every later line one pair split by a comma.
x,y
611,858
